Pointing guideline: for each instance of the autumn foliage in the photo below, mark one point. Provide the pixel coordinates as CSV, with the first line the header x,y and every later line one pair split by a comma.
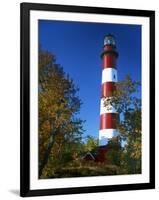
x,y
59,128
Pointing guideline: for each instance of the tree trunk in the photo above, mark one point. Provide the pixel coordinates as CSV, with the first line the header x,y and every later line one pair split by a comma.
x,y
46,155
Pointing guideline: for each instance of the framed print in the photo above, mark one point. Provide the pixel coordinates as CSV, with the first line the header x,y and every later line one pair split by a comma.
x,y
87,99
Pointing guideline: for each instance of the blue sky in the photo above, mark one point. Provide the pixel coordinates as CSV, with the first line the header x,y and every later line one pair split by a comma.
x,y
78,45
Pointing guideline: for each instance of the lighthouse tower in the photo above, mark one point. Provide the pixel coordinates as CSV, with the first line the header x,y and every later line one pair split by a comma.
x,y
108,114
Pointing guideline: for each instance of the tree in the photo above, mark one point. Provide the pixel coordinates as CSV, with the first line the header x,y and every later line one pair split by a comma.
x,y
91,143
113,156
127,102
58,105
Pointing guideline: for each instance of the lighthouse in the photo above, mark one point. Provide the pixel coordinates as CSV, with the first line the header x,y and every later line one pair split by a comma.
x,y
108,114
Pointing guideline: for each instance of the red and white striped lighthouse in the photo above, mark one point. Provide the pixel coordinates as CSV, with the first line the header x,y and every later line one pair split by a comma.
x,y
108,114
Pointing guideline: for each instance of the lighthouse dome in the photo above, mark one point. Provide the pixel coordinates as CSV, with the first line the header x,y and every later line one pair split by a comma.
x,y
109,40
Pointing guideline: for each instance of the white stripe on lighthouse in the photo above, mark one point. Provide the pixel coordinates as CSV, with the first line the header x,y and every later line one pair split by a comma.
x,y
109,75
106,108
106,134
109,133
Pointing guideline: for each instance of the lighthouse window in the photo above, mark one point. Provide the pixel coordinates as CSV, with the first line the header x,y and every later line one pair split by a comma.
x,y
114,76
108,41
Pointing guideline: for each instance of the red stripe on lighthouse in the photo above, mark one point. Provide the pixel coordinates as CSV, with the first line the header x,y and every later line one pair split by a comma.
x,y
109,61
108,121
108,88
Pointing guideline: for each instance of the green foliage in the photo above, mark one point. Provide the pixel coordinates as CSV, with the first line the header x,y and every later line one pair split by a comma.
x,y
85,169
91,143
114,153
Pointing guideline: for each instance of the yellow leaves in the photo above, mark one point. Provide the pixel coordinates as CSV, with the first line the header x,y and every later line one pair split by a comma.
x,y
136,150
